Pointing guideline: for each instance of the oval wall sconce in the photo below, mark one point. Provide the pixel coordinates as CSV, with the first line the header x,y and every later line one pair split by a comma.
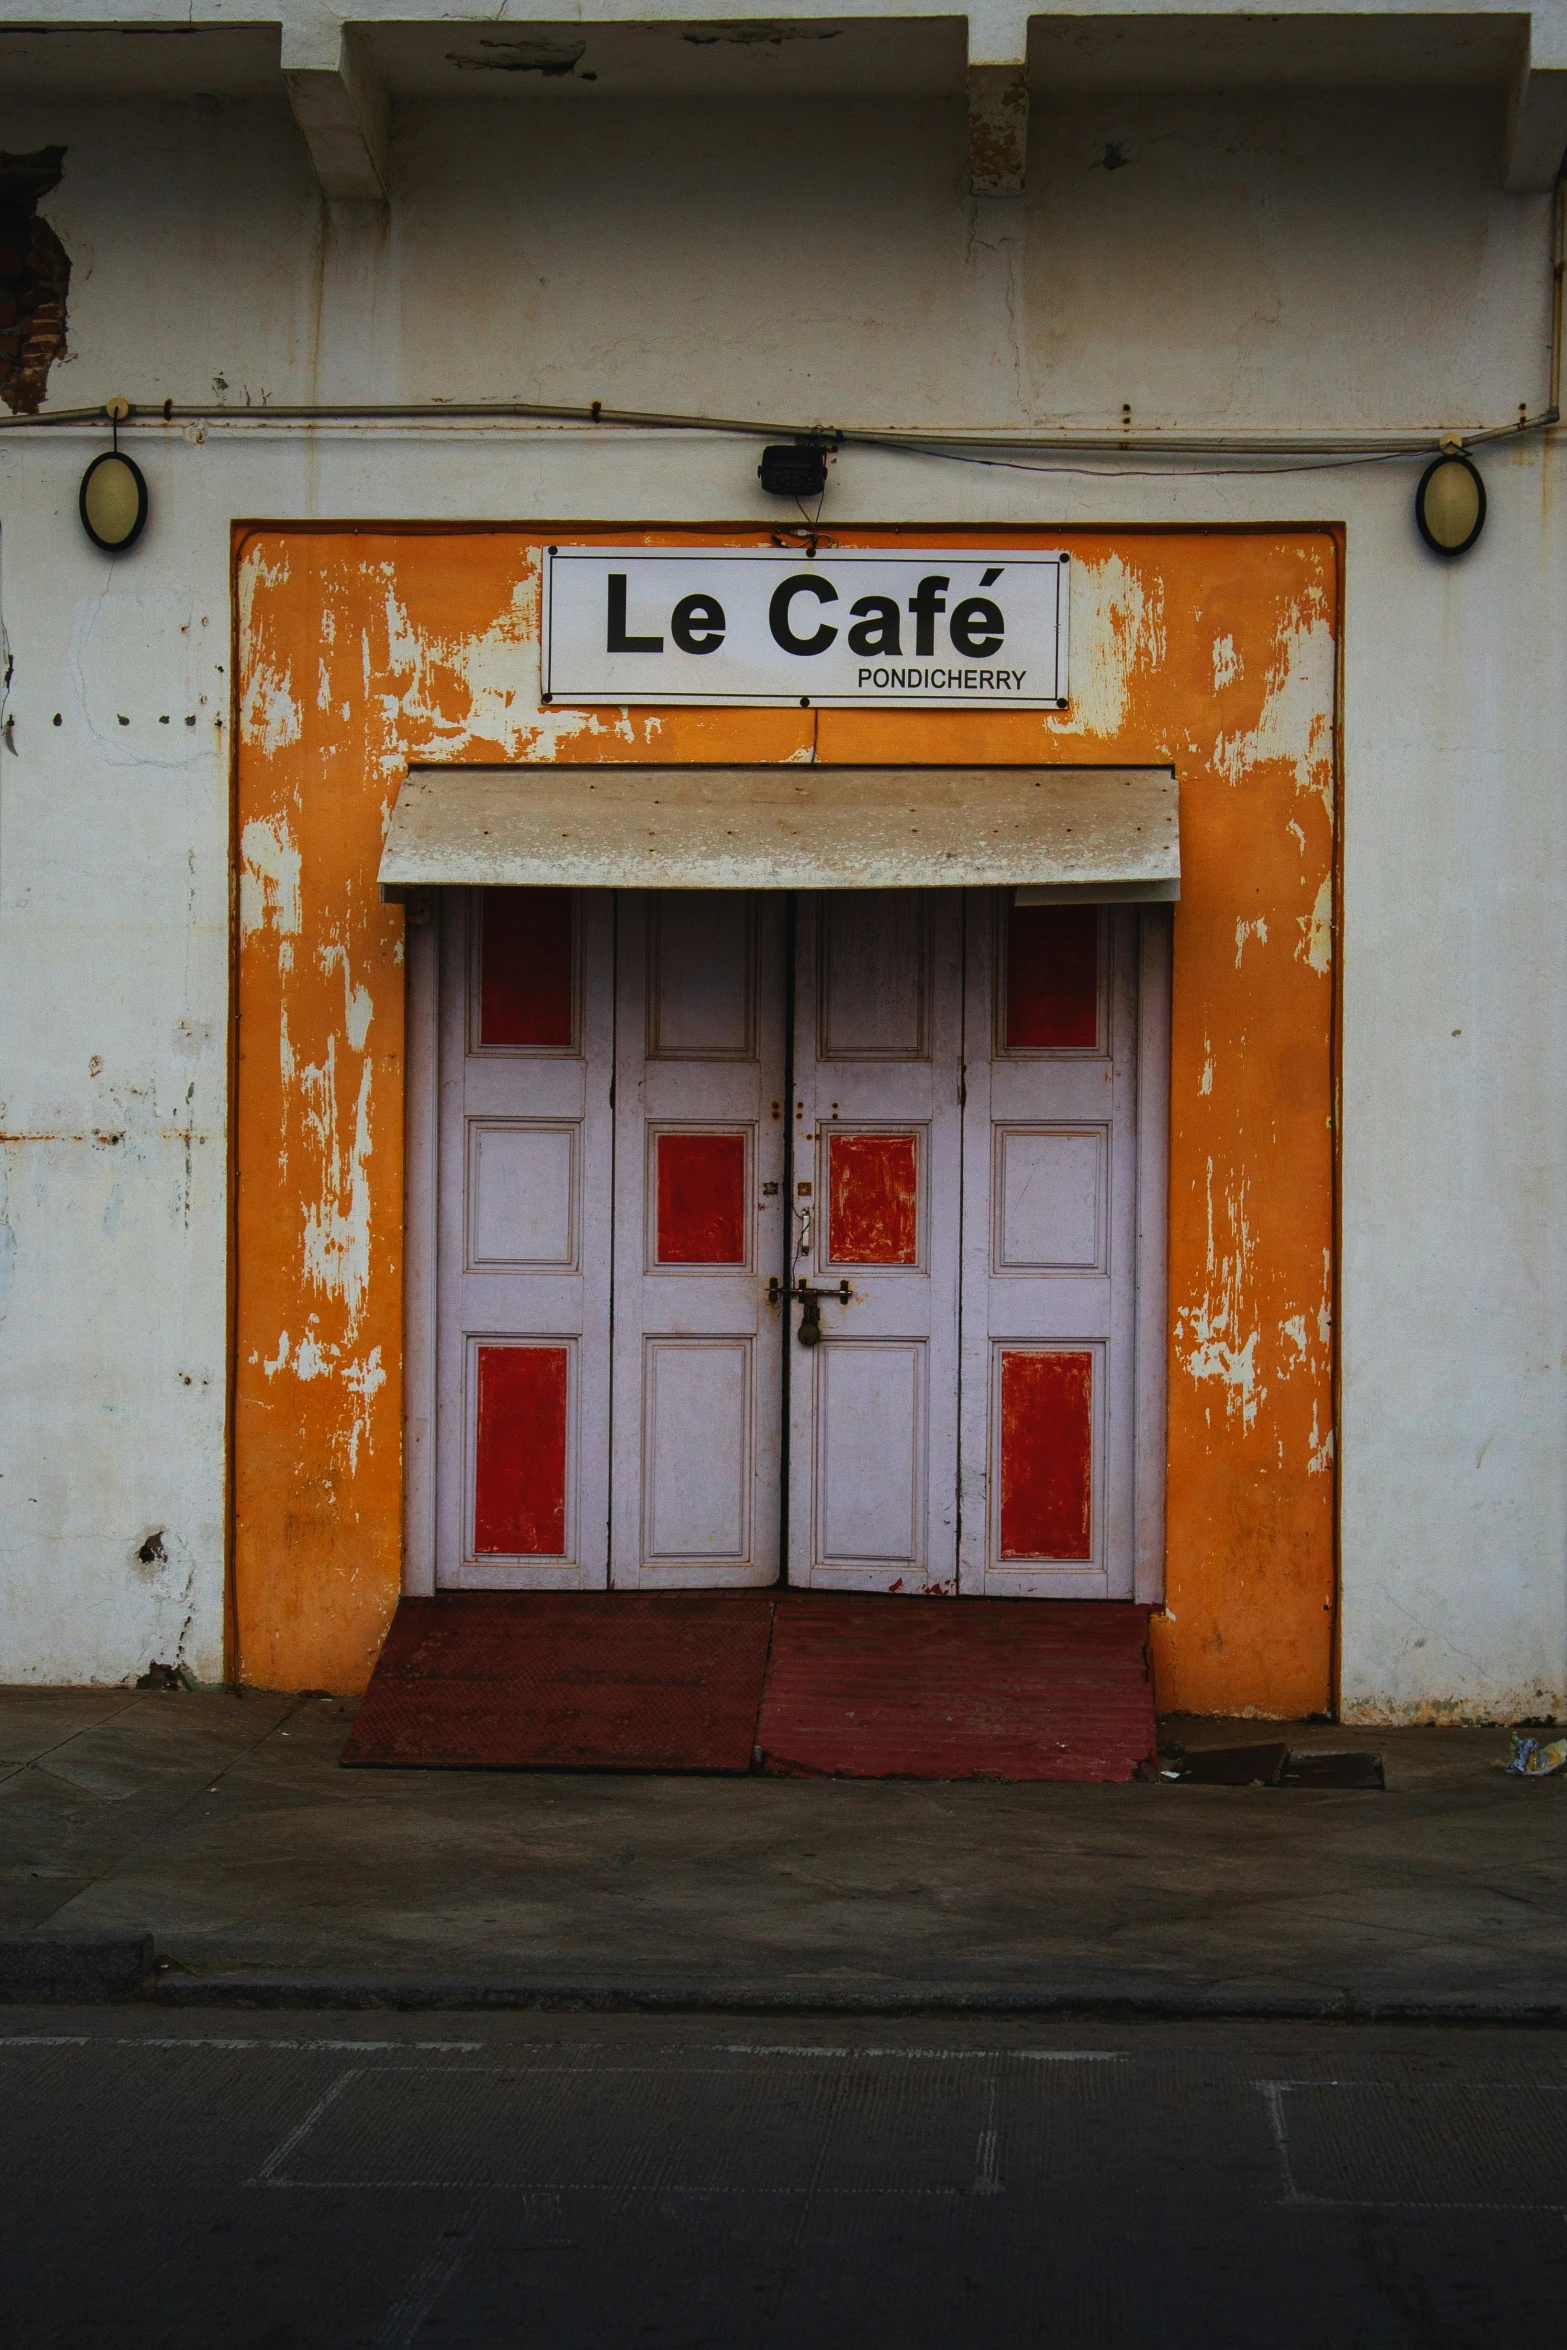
x,y
113,498
1450,503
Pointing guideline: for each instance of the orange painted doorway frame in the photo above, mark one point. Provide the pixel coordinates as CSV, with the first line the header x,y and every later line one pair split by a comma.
x,y
360,650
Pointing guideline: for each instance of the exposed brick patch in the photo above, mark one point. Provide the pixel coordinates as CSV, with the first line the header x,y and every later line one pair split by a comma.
x,y
35,274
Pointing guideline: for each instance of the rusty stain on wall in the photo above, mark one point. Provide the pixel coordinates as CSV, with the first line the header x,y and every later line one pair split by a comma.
x,y
1212,652
998,128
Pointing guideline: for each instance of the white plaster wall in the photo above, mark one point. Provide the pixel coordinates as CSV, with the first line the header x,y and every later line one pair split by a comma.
x,y
1293,260
1299,262
1455,1122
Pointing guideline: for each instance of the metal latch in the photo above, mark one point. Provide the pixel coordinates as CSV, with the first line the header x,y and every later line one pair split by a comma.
x,y
810,1330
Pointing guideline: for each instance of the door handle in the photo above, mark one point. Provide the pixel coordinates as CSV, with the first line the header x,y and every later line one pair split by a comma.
x,y
810,1330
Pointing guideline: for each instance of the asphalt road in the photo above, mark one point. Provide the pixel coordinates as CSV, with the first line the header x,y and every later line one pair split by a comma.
x,y
278,2181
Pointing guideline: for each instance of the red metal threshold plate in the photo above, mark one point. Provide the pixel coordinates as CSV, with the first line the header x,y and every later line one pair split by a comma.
x,y
852,1687
609,1681
904,1688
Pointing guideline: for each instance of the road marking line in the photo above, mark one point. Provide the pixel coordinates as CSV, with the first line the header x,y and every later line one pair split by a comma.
x,y
303,2129
428,2282
1273,2094
338,2047
930,2055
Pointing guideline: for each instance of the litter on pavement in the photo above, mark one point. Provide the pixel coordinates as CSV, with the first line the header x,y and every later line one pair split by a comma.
x,y
1533,1759
1270,1765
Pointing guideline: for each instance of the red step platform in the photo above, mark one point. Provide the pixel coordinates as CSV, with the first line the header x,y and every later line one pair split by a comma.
x,y
797,1683
568,1680
871,1688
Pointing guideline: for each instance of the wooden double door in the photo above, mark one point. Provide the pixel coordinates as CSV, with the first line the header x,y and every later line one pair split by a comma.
x,y
814,1236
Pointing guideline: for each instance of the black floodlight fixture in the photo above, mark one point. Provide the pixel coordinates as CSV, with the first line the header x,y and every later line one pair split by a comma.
x,y
113,498
794,469
1450,502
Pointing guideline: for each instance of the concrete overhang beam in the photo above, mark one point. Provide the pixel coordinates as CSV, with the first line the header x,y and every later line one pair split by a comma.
x,y
341,107
997,98
1537,125
342,61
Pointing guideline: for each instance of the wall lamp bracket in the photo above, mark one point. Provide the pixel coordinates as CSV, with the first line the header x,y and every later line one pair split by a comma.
x,y
113,496
1450,500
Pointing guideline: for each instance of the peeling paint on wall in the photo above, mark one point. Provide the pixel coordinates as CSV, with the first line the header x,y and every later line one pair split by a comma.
x,y
365,653
1209,1331
269,879
1316,929
35,279
1296,724
337,1224
1117,637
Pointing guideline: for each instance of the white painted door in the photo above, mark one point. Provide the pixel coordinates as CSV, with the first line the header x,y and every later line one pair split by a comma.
x,y
523,1239
699,1237
877,1180
1050,1249
977,1129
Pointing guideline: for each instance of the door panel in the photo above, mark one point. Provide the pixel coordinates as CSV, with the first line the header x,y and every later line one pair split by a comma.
x,y
877,1184
697,1464
1050,993
702,974
522,1448
522,1196
526,967
872,1197
874,974
869,1447
1047,1401
699,1224
1052,1199
523,1239
700,1195
1050,1249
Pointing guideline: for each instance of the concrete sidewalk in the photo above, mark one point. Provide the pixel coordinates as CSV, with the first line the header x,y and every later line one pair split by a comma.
x,y
222,1827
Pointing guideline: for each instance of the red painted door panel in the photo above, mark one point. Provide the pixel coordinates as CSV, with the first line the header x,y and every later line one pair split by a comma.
x,y
701,1188
519,1505
1051,985
525,969
1046,1454
872,1199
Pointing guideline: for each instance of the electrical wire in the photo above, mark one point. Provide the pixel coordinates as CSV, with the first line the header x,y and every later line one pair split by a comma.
x,y
1245,458
1256,455
1241,470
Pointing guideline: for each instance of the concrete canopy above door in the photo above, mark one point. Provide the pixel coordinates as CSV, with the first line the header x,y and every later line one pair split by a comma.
x,y
1084,830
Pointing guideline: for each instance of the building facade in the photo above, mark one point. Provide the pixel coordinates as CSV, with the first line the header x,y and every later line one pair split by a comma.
x,y
442,1085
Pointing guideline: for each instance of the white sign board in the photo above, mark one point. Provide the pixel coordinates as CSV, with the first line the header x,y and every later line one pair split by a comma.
x,y
940,628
